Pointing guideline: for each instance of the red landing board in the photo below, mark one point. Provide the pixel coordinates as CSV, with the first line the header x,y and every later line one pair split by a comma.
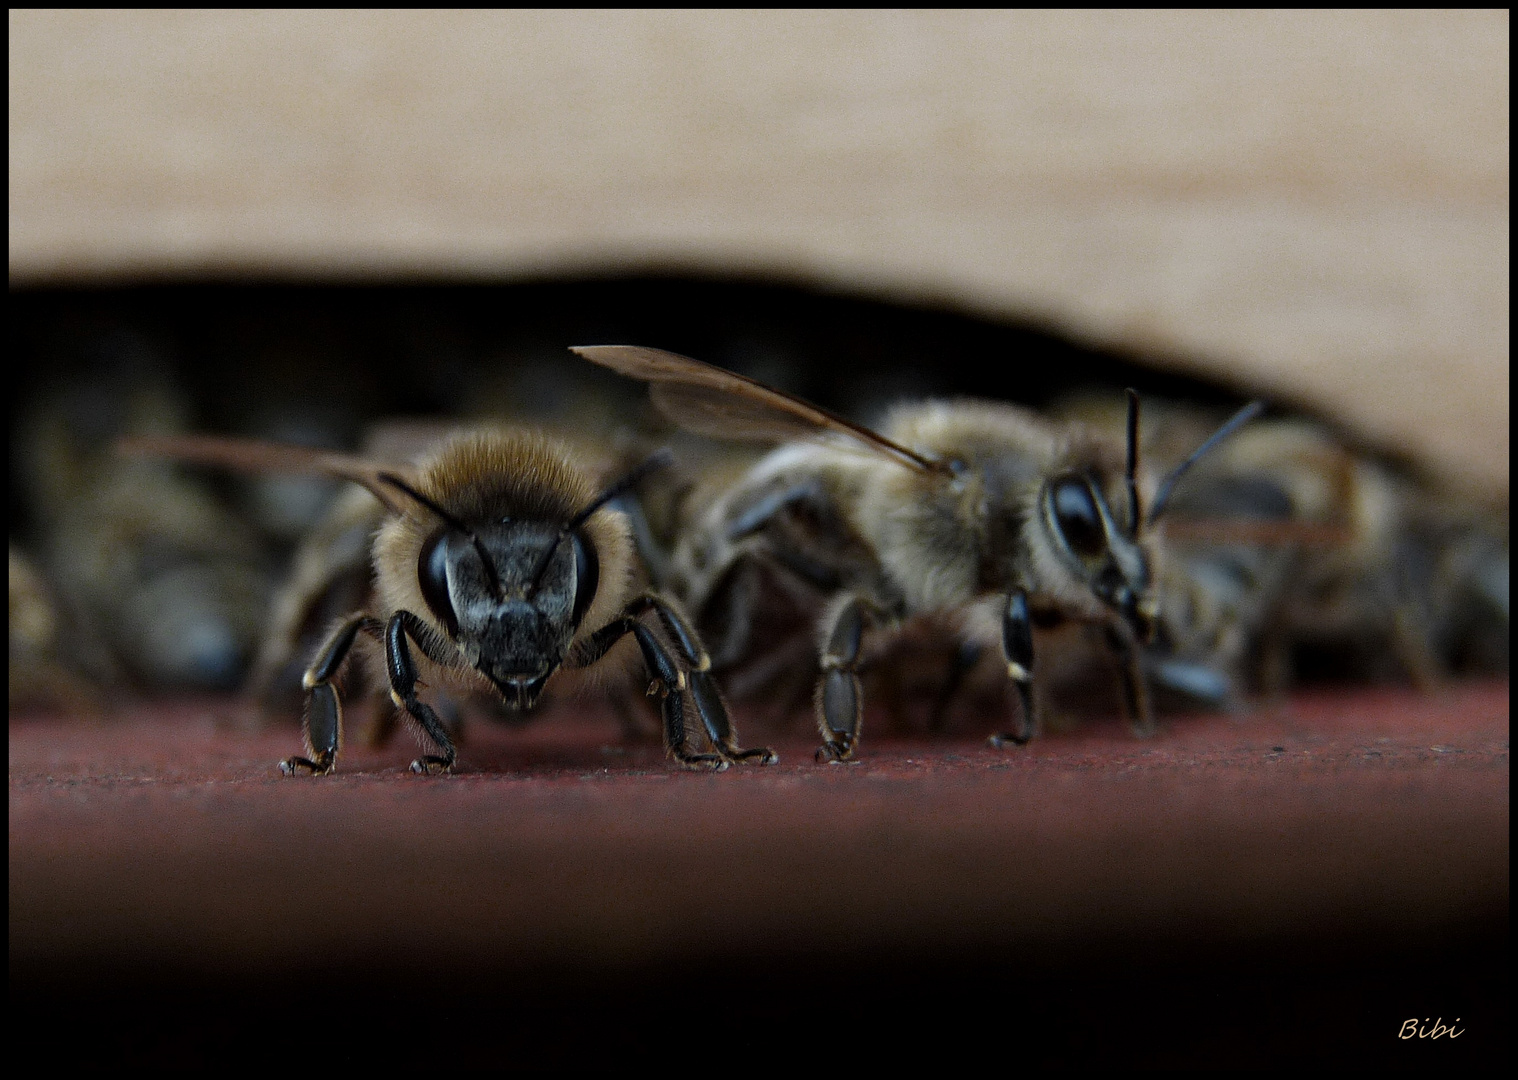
x,y
167,833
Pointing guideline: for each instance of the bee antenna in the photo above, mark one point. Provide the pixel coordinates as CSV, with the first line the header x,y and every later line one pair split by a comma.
x,y
1233,423
449,520
1131,472
654,462
416,496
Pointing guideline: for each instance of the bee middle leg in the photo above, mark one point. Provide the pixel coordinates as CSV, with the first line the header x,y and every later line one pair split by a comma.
x,y
966,656
840,704
1017,645
728,613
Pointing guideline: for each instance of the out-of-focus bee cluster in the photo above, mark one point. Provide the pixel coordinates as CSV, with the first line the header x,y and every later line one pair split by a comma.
x,y
133,576
1283,555
127,574
1291,558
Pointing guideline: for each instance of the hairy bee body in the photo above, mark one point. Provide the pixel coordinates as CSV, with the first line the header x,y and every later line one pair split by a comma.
x,y
1292,557
840,523
977,515
842,518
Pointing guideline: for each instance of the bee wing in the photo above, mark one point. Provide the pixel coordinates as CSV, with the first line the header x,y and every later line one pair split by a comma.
x,y
725,405
251,455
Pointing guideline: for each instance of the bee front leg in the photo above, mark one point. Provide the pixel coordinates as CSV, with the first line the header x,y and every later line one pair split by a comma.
x,y
401,669
703,691
1017,645
1131,676
322,726
667,681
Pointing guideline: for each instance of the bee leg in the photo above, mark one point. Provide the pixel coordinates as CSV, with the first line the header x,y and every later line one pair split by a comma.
x,y
758,515
703,691
668,682
403,677
1135,687
1272,666
322,726
383,726
1017,645
670,686
1410,645
840,707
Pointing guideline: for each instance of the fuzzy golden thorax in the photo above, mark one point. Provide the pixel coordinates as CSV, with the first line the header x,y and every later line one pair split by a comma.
x,y
481,476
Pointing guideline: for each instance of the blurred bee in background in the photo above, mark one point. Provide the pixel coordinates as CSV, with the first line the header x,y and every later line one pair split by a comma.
x,y
44,647
1292,557
497,566
156,582
990,519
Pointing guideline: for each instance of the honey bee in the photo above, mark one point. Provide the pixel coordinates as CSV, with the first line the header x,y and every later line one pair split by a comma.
x,y
498,565
976,511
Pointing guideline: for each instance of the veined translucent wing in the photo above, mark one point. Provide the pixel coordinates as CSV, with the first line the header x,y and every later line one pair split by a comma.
x,y
712,401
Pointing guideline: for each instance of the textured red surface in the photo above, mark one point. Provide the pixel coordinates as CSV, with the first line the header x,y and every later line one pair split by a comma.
x,y
166,841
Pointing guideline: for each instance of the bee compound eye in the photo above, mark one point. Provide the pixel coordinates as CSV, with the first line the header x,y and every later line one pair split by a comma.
x,y
432,576
587,575
1076,516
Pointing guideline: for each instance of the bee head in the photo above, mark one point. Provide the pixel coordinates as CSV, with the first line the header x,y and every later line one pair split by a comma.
x,y
1109,556
512,621
1109,552
511,594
